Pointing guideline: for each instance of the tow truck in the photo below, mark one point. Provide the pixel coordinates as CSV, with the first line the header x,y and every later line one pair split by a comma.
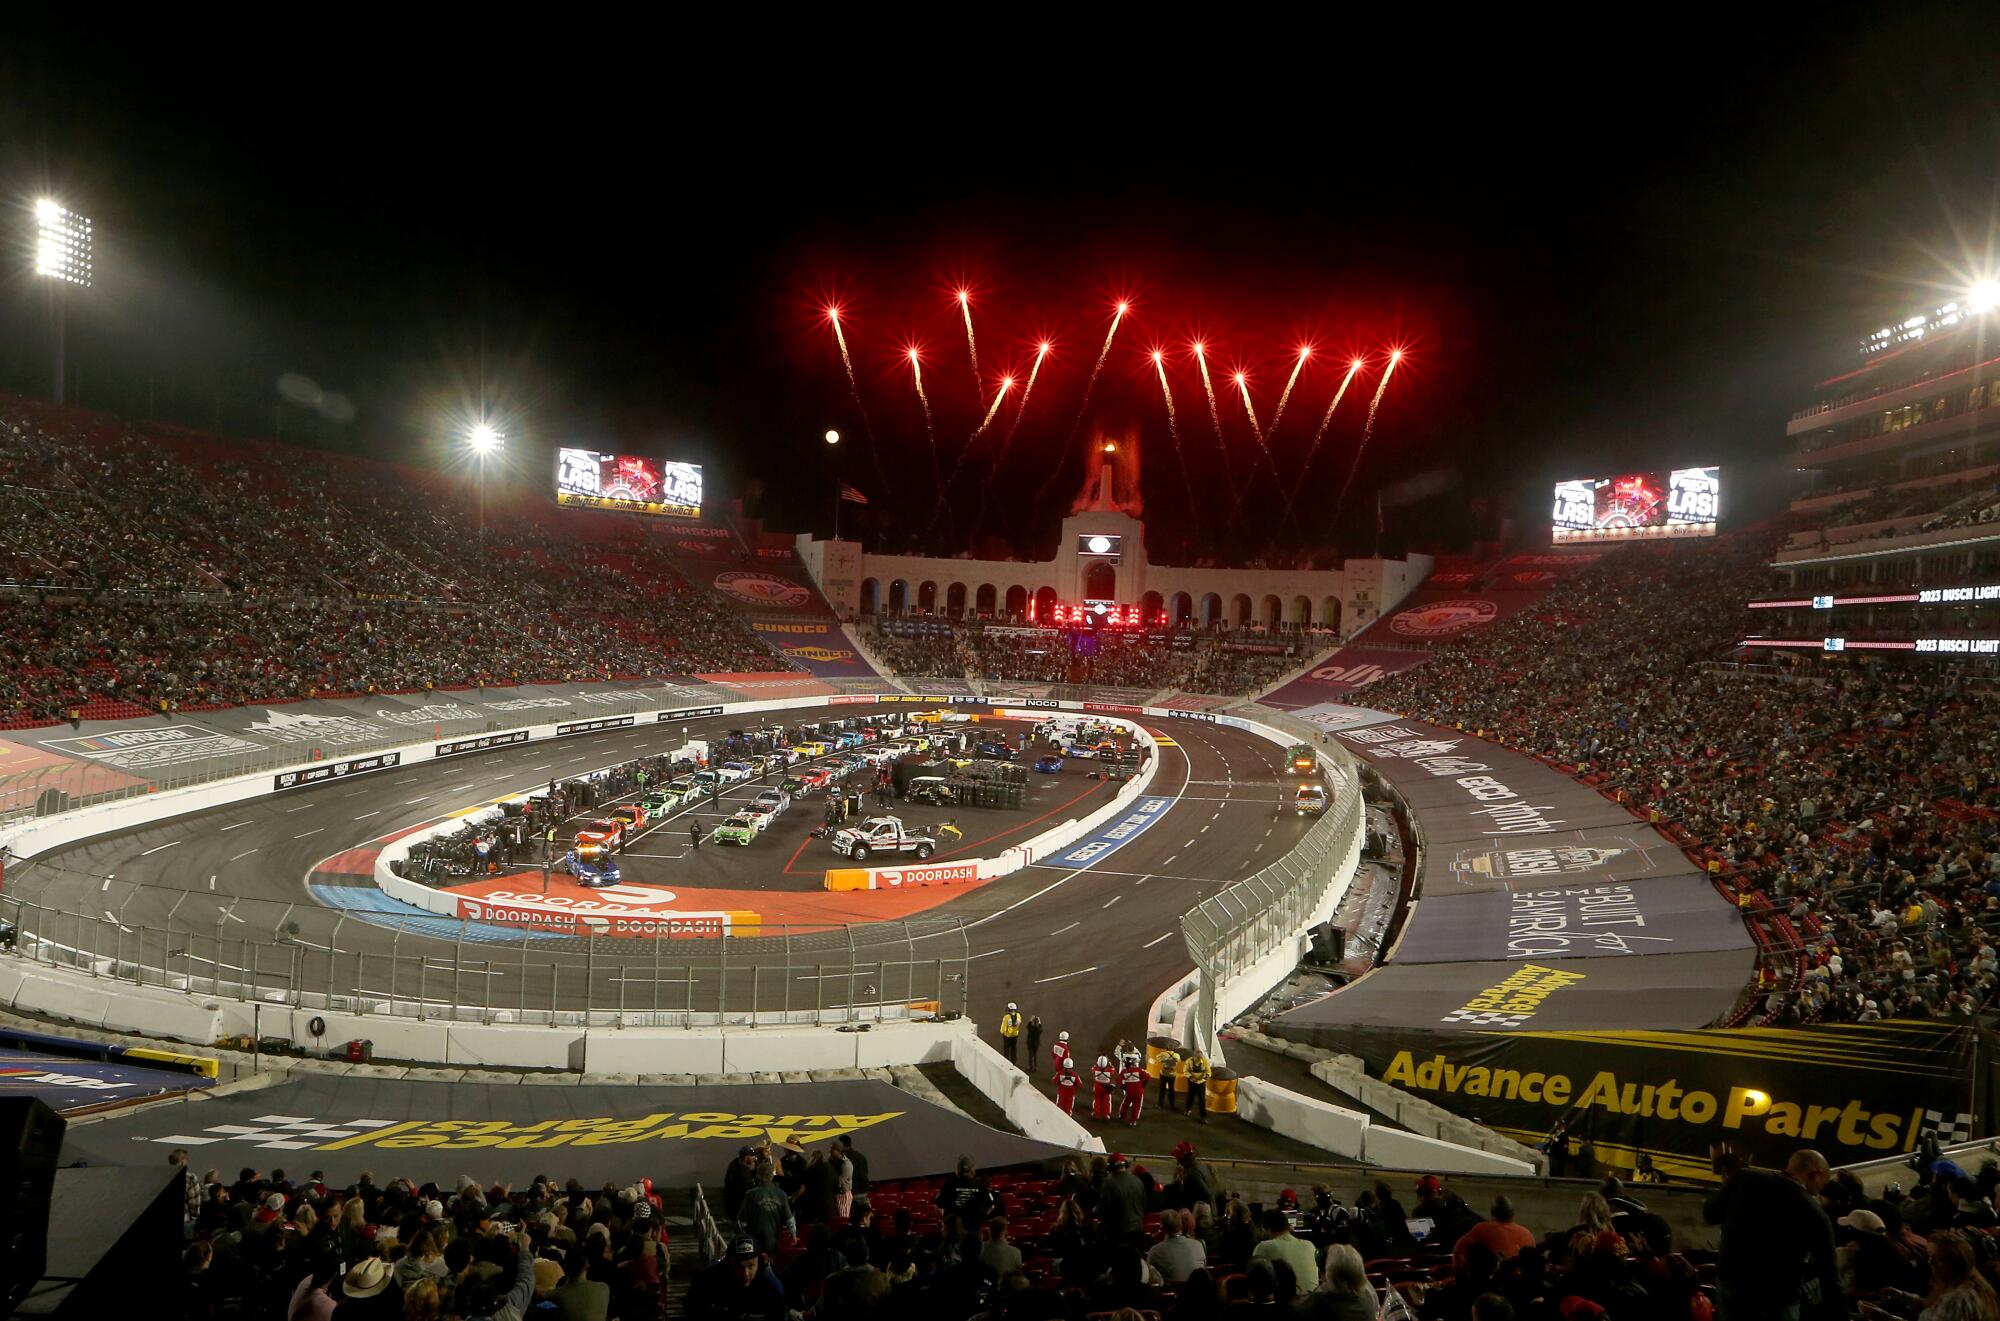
x,y
881,834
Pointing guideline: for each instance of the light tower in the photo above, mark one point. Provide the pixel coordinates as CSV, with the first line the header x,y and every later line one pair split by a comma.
x,y
64,256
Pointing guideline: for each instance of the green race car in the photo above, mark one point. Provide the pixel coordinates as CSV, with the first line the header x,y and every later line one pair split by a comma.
x,y
734,830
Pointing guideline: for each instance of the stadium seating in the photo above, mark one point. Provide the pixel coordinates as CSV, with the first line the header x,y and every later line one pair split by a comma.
x,y
1851,807
1196,663
151,567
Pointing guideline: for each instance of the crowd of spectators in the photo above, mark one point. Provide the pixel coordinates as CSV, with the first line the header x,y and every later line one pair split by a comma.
x,y
179,571
263,1246
1189,662
1852,802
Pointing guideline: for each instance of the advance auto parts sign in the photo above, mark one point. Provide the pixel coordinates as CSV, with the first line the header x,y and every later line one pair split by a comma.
x,y
1854,1092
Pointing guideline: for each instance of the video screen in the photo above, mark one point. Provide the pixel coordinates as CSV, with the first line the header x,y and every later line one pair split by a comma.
x,y
589,480
1685,502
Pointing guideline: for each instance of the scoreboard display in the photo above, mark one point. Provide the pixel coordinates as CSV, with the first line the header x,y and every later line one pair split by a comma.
x,y
1639,506
627,482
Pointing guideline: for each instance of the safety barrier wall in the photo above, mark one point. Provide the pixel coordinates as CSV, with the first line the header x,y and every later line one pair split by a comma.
x,y
1025,1104
1352,1133
1247,938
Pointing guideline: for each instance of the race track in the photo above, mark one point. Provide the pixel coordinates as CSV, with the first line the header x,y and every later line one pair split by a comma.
x,y
1086,940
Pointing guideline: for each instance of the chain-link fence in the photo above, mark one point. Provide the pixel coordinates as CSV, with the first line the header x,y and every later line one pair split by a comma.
x,y
1232,929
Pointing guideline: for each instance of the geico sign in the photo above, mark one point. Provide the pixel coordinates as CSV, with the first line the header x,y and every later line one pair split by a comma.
x,y
936,873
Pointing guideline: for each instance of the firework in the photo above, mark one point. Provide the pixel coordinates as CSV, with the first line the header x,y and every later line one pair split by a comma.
x,y
971,343
1214,416
1174,431
1006,384
1118,311
1243,388
1305,351
1020,411
1368,428
1353,370
917,375
854,388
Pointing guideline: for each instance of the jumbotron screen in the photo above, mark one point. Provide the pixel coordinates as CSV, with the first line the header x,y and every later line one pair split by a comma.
x,y
1639,506
627,482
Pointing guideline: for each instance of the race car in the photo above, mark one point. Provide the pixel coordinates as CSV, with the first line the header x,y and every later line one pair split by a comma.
x,y
633,815
1081,751
601,833
815,777
593,868
660,802
684,786
735,830
776,799
1048,765
996,751
812,749
792,787
760,814
704,781
847,739
733,772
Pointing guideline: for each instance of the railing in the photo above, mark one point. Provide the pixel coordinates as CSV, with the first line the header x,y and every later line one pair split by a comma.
x,y
1232,929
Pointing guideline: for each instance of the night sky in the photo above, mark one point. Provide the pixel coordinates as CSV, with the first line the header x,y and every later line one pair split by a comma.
x,y
1602,250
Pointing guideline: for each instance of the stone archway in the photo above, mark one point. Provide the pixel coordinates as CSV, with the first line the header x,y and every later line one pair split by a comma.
x,y
983,600
871,592
1017,601
954,600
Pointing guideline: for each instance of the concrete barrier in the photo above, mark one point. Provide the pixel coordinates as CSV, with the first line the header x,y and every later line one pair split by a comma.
x,y
1017,1095
1306,1119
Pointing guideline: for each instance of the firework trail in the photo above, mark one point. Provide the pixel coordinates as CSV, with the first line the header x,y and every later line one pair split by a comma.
x,y
1305,351
917,375
1118,312
1174,430
1243,388
1215,418
854,388
1373,404
971,343
1006,384
1353,370
1020,411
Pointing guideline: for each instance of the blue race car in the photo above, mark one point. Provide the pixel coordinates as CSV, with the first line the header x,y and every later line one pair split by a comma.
x,y
592,868
1048,765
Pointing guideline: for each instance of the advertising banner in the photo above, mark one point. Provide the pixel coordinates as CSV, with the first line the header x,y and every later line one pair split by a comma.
x,y
432,1131
1344,672
763,588
892,878
687,713
628,483
1853,1092
1610,919
335,770
1664,991
818,646
1618,853
480,744
567,728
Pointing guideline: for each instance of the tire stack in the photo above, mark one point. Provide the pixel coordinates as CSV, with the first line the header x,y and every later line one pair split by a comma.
x,y
999,785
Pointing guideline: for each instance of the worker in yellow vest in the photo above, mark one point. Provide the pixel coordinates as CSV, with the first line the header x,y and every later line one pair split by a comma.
x,y
1010,1031
1198,1071
1169,1061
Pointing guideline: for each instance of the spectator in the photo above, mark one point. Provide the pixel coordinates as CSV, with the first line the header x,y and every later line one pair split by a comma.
x,y
1179,1253
766,1212
1281,1244
739,1287
1777,1251
1501,1235
1343,1293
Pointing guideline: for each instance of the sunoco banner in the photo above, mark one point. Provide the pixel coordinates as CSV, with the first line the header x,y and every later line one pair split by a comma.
x,y
1853,1092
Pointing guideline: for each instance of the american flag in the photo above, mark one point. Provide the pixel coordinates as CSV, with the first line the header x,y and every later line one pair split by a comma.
x,y
849,493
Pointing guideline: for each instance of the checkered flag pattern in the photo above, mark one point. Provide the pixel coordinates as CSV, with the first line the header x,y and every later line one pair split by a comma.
x,y
1484,1018
279,1132
1948,1129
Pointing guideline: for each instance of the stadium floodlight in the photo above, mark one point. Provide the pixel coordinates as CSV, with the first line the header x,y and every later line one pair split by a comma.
x,y
484,439
832,436
1983,297
63,244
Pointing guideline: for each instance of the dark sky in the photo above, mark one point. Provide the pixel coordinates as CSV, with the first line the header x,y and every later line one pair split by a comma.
x,y
1603,249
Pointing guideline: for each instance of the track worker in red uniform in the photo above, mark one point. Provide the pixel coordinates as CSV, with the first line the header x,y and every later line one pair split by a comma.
x,y
1059,1053
1104,1082
1067,1081
1133,1078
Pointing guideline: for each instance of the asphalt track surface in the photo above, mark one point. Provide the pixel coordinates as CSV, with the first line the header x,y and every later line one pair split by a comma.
x,y
1086,947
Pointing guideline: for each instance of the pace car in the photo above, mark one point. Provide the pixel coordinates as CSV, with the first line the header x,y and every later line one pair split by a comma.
x,y
593,868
